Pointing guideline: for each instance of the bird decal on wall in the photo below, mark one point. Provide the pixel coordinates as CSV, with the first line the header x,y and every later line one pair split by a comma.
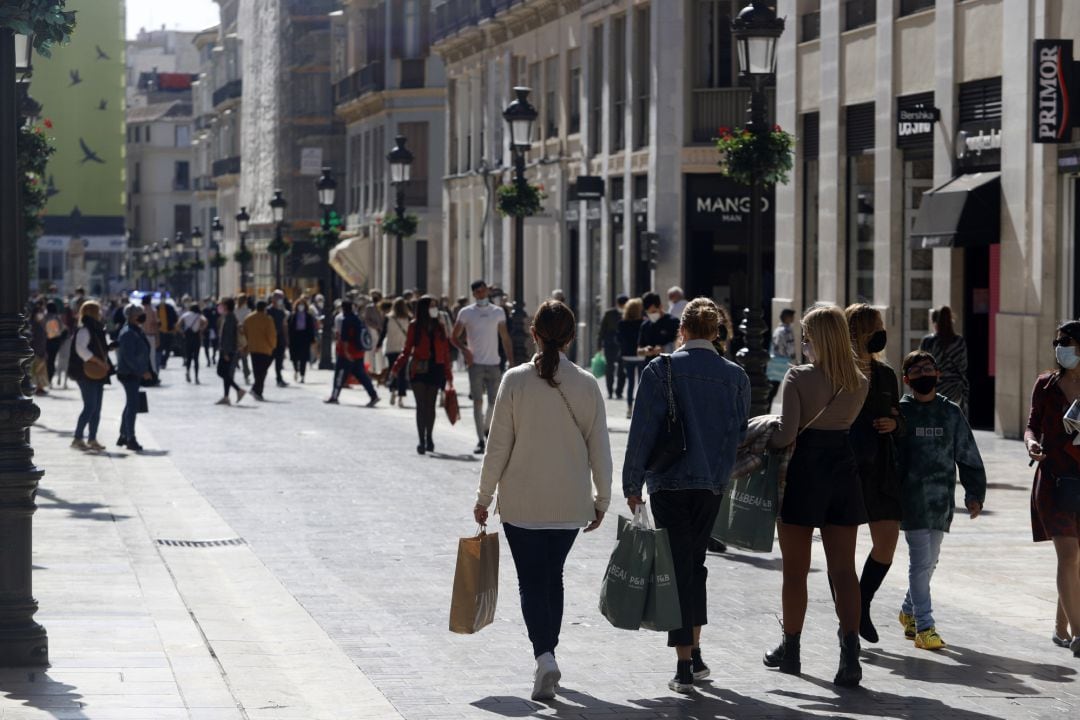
x,y
50,188
88,154
101,54
75,79
103,104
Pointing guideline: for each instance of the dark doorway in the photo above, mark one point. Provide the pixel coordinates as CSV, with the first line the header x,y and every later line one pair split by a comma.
x,y
977,318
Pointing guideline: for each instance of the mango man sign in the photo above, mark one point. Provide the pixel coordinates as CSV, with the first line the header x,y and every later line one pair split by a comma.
x,y
1052,69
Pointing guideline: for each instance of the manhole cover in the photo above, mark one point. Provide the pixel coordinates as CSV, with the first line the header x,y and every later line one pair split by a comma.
x,y
202,543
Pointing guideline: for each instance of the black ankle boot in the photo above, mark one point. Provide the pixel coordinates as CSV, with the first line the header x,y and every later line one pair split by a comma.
x,y
873,575
785,656
849,674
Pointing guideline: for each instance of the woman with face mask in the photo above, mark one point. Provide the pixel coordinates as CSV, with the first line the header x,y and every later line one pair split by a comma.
x,y
427,356
301,336
1052,446
872,435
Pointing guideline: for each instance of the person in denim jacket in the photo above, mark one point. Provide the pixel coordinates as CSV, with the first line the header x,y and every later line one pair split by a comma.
x,y
712,395
133,365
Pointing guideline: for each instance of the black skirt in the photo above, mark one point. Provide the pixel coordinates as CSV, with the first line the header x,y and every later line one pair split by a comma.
x,y
823,486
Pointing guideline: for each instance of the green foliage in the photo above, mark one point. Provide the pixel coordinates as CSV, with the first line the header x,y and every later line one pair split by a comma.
x,y
49,22
326,239
243,256
196,265
218,261
405,226
765,156
35,148
279,246
521,201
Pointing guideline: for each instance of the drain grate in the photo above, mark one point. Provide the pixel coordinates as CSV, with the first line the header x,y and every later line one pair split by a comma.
x,y
202,543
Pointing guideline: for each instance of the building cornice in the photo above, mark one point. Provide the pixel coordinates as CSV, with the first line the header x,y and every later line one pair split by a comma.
x,y
373,103
505,27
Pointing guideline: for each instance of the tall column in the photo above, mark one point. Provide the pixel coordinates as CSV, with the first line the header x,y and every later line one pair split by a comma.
x,y
667,130
948,263
831,185
789,227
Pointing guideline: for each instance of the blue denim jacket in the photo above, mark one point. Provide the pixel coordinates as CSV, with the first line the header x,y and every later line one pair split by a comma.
x,y
713,399
133,353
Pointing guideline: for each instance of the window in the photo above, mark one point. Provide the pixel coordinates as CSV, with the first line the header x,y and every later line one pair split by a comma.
x,y
618,84
138,133
356,171
412,28
183,136
416,138
452,122
859,138
596,95
714,51
573,88
136,181
910,7
551,97
810,26
365,184
642,77
182,219
810,124
147,133
618,234
181,175
535,96
858,13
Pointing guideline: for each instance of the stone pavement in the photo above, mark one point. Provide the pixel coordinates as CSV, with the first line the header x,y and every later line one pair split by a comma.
x,y
336,604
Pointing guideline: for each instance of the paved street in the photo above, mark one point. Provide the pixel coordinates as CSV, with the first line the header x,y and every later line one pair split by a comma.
x,y
346,526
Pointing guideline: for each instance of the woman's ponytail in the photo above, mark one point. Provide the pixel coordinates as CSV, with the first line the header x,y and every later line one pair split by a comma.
x,y
554,325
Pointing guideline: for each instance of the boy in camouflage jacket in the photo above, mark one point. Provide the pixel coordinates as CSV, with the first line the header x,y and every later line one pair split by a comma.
x,y
938,442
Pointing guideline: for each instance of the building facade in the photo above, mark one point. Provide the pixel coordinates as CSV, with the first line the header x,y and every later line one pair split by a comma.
x,y
631,94
900,108
388,83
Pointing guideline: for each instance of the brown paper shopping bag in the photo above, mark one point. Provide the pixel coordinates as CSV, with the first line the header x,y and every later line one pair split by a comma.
x,y
476,583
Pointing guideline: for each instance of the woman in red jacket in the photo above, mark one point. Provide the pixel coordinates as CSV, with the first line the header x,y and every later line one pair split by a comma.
x,y
427,350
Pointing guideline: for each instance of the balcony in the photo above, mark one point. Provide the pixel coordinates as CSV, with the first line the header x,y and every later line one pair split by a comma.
x,y
714,108
454,15
205,183
370,78
228,91
412,73
226,166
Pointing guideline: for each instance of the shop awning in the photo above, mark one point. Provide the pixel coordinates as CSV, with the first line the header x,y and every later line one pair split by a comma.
x,y
964,212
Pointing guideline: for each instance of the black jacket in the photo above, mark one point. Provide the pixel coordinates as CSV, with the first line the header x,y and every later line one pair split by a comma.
x,y
627,332
662,332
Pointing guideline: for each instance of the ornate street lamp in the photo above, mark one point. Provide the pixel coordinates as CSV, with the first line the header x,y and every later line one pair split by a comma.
x,y
196,245
520,116
756,31
400,160
166,254
217,237
278,246
24,54
327,189
242,220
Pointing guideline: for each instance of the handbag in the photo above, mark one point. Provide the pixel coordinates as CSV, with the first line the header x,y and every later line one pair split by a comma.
x,y
777,368
476,583
1066,493
95,368
453,410
144,405
670,446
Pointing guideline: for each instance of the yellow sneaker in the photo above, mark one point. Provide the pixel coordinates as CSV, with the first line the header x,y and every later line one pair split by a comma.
x,y
908,623
929,640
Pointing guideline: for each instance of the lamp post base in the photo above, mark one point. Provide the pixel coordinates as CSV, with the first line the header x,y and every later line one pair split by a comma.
x,y
755,359
519,334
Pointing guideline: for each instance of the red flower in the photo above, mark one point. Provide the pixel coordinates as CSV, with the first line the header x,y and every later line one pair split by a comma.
x,y
777,128
48,123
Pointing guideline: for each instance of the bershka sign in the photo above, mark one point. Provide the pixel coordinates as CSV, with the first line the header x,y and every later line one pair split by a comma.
x,y
915,122
1052,67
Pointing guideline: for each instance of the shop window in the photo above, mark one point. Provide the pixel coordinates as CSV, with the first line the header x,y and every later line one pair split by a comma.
x,y
596,83
858,13
618,233
618,84
642,76
810,123
551,97
910,7
860,224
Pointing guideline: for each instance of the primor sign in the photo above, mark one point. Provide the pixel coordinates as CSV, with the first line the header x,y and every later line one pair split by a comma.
x,y
1052,68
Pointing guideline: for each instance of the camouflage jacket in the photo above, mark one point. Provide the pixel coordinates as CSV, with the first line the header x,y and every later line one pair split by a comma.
x,y
938,441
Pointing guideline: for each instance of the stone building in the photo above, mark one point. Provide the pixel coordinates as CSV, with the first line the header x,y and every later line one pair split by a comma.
x,y
918,182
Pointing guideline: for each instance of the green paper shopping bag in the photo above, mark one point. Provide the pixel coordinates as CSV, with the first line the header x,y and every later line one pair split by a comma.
x,y
626,582
662,611
747,517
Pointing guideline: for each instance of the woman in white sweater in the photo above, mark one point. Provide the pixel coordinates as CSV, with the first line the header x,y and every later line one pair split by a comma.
x,y
549,458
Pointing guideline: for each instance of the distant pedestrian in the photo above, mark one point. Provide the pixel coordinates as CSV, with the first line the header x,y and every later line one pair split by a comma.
x,y
39,372
712,399
301,336
939,443
427,356
167,318
483,325
549,460
558,295
658,332
280,315
350,351
820,401
133,366
261,334
55,333
1052,446
373,319
781,351
211,341
90,348
676,302
628,330
245,305
608,342
229,334
393,338
151,327
950,352
192,325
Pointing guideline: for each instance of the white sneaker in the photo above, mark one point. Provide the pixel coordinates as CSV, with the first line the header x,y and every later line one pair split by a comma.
x,y
546,678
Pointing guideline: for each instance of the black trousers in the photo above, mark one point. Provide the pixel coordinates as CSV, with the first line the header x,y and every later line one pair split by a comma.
x,y
688,516
539,557
427,395
279,362
614,369
260,365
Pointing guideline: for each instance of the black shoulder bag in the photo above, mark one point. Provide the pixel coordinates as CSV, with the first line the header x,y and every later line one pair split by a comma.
x,y
670,445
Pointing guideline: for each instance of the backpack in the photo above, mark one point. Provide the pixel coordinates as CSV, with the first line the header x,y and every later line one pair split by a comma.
x,y
365,340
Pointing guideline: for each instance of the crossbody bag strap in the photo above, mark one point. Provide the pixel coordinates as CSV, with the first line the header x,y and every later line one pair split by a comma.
x,y
572,415
673,410
820,412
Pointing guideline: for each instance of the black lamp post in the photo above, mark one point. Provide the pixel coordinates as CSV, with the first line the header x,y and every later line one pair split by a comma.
x,y
22,640
217,236
520,116
400,160
146,265
327,188
166,254
278,246
179,247
196,244
756,31
242,220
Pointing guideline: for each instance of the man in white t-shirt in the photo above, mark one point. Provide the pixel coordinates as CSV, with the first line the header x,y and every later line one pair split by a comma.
x,y
484,326
676,302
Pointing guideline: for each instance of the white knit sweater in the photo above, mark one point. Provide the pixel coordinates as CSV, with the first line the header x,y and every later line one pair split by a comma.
x,y
545,466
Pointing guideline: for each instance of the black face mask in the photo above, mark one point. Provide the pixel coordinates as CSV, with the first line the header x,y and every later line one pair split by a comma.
x,y
721,333
923,385
877,342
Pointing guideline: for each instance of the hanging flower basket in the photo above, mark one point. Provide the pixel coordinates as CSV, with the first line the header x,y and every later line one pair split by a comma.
x,y
218,261
196,265
278,246
404,226
746,155
35,147
243,256
521,201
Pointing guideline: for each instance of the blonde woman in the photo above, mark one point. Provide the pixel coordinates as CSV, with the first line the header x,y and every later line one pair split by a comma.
x,y
820,402
628,330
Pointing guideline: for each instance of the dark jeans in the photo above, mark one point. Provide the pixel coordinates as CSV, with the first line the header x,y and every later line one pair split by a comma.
x,y
191,352
165,347
613,369
632,370
343,368
688,516
397,383
92,393
52,349
279,362
427,396
539,556
230,371
260,364
131,406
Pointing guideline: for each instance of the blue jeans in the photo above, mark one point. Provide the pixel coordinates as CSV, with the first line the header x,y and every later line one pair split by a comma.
x,y
633,370
539,556
924,547
92,393
131,407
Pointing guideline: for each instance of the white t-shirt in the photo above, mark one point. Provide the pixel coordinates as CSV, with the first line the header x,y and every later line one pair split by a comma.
x,y
191,320
676,309
482,331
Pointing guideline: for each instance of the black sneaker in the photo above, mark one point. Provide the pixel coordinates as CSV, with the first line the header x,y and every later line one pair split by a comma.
x,y
700,669
479,449
430,445
373,401
122,441
421,449
683,682
133,445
